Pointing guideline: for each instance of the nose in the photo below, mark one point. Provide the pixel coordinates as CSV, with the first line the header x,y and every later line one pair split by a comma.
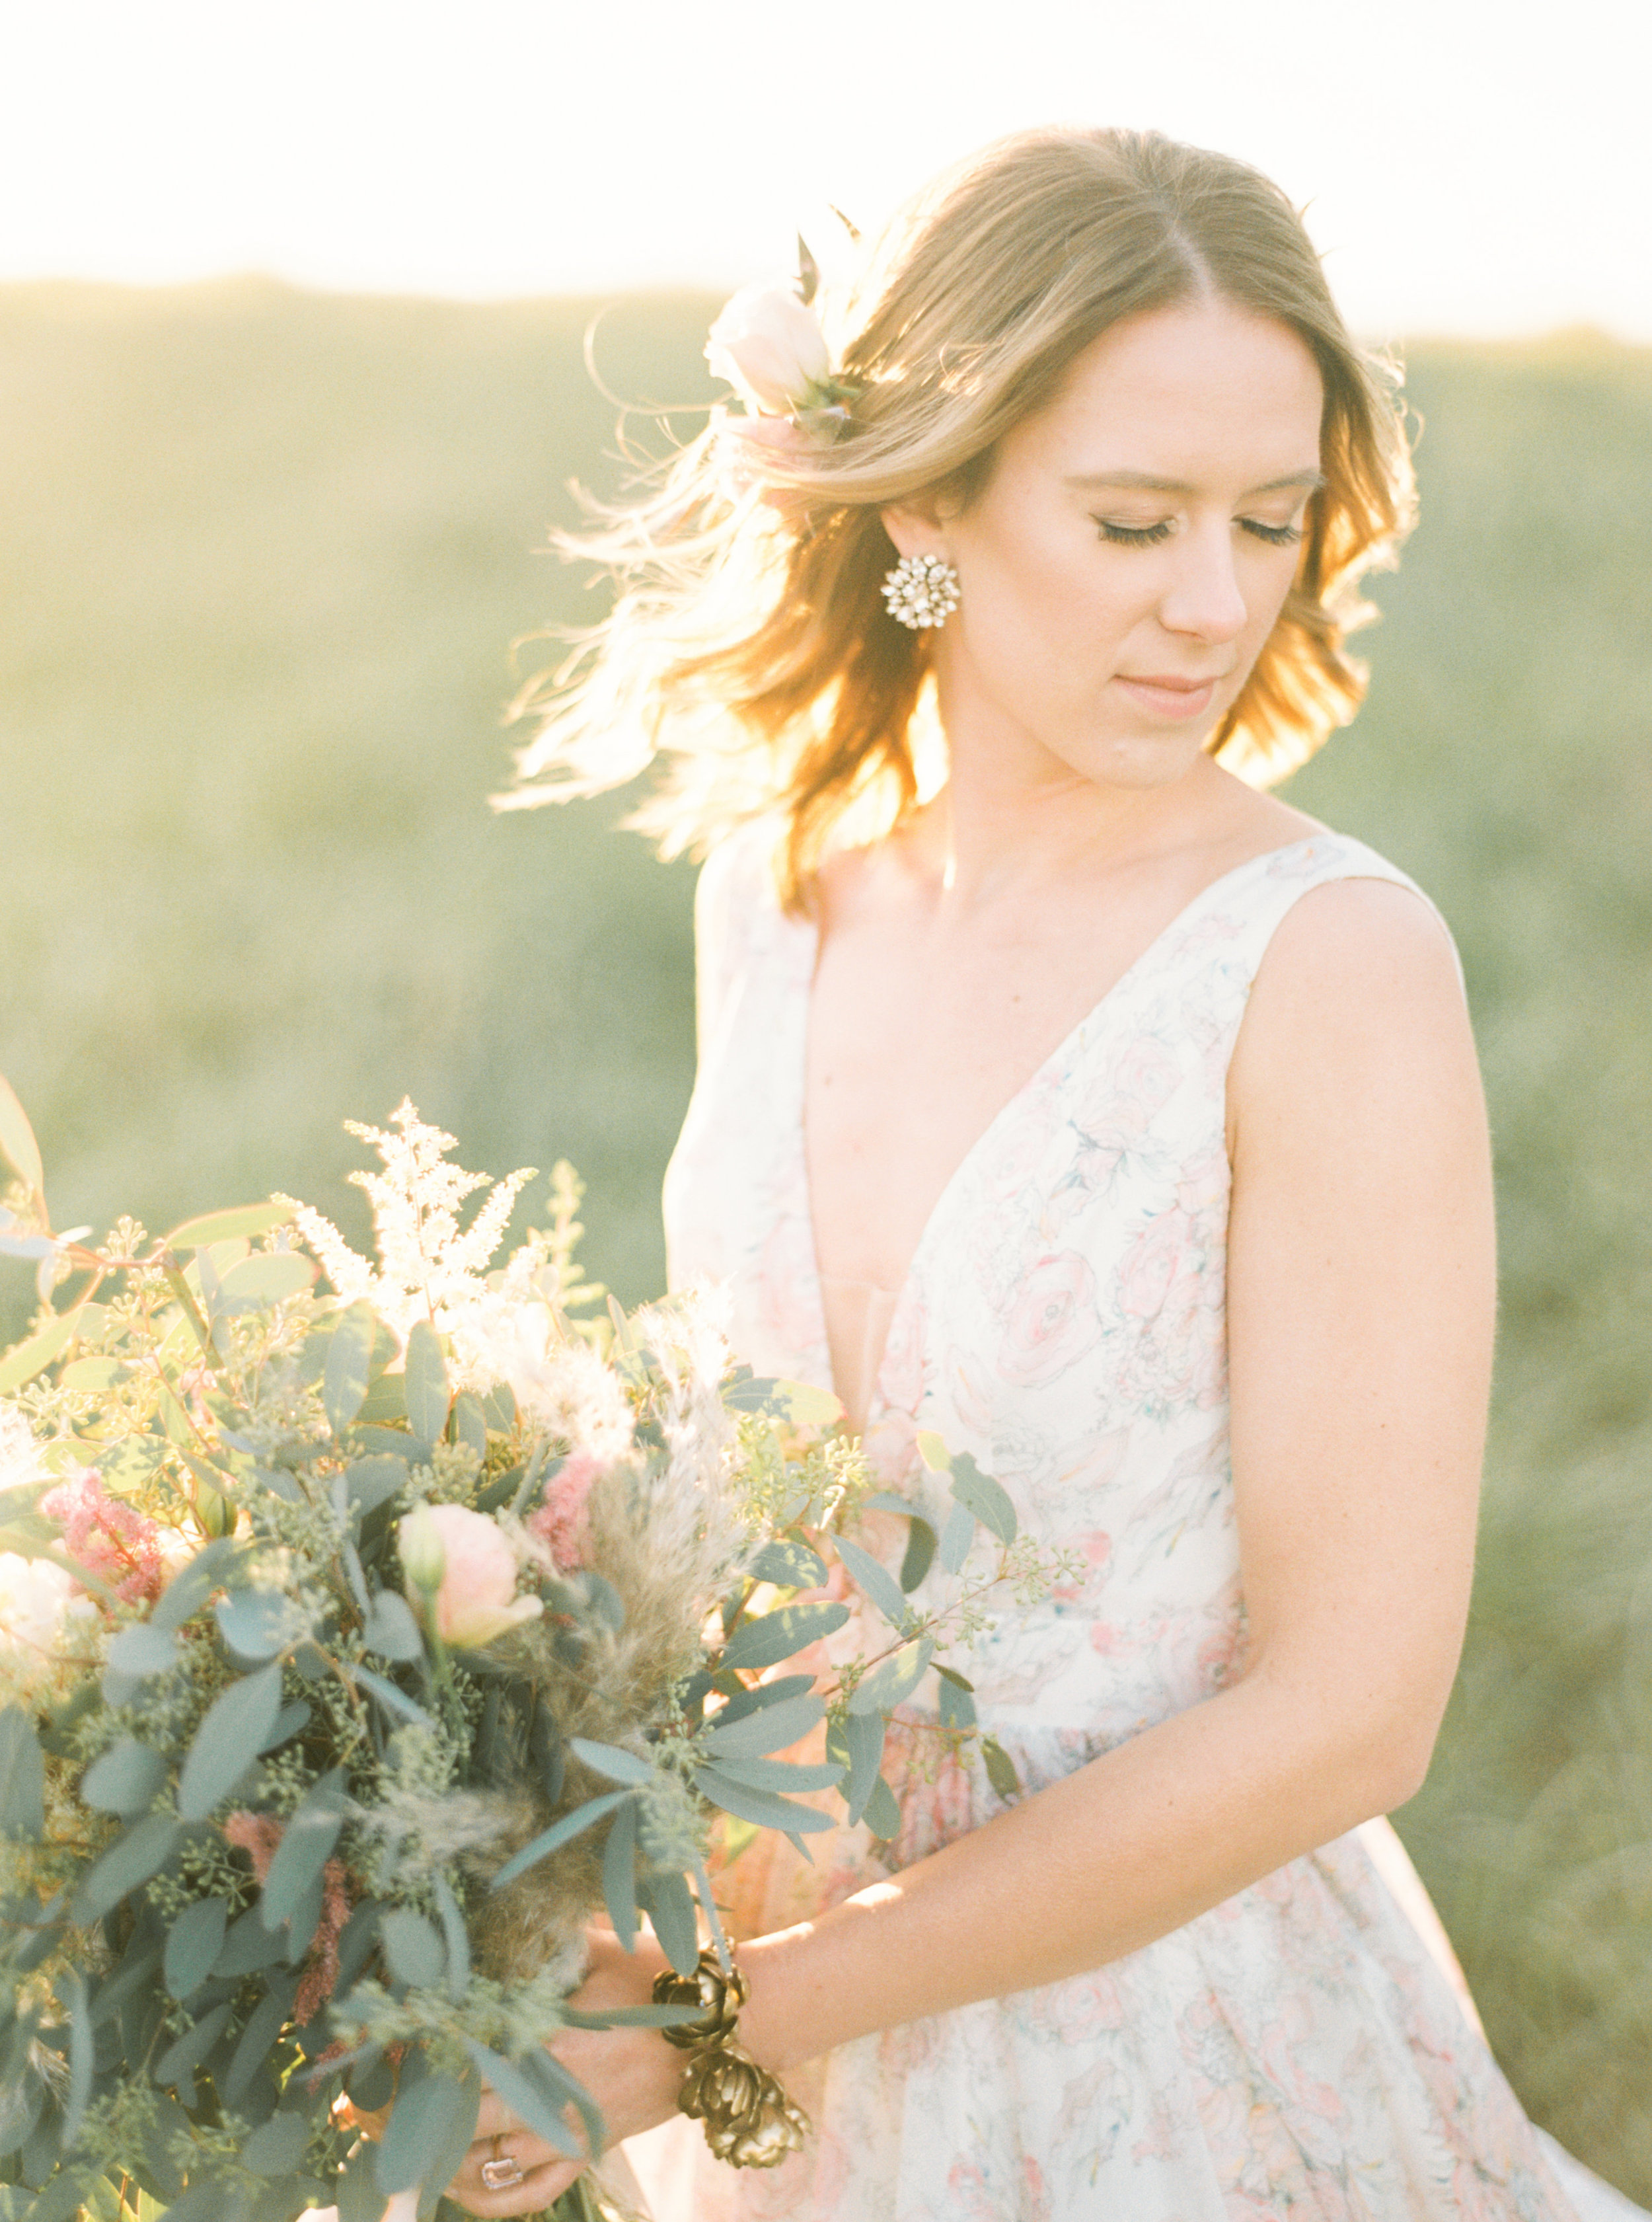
x,y
1203,596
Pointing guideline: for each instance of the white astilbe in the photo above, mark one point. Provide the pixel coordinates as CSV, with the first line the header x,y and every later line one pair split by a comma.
x,y
20,1453
689,1339
557,1380
429,1266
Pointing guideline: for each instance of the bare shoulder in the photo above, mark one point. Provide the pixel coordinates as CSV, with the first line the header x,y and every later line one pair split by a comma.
x,y
1360,934
1357,1006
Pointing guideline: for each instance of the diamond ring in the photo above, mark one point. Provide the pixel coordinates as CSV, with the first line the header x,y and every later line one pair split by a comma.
x,y
504,2172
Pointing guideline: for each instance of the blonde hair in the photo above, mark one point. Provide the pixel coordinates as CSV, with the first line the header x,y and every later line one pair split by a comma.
x,y
749,638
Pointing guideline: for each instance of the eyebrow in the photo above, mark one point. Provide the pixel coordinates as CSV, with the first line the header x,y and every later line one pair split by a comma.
x,y
1148,482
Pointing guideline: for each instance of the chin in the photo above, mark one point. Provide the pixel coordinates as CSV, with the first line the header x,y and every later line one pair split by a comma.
x,y
1148,761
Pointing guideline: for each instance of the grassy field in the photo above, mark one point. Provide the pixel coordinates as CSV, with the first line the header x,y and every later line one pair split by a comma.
x,y
264,558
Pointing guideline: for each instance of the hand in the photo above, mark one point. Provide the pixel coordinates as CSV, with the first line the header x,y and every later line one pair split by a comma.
x,y
632,2073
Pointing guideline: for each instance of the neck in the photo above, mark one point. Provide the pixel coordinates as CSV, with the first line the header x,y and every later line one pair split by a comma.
x,y
998,823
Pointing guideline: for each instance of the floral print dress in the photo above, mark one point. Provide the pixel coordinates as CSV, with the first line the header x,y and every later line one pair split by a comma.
x,y
1298,2050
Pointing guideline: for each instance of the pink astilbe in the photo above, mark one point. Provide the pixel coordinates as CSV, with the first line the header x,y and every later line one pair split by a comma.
x,y
258,1836
560,1523
108,1538
321,1964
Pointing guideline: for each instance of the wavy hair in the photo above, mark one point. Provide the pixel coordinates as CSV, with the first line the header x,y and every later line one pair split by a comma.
x,y
748,638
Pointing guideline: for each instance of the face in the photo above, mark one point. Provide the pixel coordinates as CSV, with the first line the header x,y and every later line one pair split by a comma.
x,y
1126,558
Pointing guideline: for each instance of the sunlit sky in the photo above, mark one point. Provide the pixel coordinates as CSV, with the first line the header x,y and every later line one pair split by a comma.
x,y
1467,167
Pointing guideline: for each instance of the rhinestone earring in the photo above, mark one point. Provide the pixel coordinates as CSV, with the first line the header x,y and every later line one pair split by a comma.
x,y
921,591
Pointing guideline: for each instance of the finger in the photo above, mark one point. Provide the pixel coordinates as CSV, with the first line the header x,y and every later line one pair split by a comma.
x,y
539,2187
495,2119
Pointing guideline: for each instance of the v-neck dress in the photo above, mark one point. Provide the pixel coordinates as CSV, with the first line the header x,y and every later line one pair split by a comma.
x,y
1295,2051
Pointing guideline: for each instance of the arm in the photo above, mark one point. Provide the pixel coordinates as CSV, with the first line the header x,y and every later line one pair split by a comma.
x,y
1360,1302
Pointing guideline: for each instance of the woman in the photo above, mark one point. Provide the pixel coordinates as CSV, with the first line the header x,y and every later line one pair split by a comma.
x,y
1095,1109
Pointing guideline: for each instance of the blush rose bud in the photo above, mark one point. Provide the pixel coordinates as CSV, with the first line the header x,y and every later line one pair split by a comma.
x,y
462,1576
770,348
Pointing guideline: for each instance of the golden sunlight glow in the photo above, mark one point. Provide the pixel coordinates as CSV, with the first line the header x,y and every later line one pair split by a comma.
x,y
528,146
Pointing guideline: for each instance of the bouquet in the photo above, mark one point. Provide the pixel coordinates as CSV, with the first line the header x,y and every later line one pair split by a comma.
x,y
359,1646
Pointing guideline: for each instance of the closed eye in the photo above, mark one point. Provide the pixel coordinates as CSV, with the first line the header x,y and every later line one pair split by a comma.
x,y
1134,535
1147,536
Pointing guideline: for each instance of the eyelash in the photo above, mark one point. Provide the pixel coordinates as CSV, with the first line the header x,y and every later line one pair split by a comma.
x,y
1146,535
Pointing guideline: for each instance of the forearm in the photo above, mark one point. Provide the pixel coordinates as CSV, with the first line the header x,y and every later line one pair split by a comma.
x,y
1093,1867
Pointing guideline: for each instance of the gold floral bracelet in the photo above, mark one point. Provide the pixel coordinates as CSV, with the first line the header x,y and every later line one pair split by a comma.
x,y
748,2120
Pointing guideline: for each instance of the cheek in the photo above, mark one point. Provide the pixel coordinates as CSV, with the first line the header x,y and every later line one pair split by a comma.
x,y
1032,593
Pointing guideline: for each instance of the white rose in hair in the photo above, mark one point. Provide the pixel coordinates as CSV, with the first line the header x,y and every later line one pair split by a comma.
x,y
770,348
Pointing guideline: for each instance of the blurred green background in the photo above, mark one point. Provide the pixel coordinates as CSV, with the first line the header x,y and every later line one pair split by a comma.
x,y
263,559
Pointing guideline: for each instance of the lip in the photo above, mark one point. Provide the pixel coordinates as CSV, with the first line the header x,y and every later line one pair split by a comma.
x,y
1169,696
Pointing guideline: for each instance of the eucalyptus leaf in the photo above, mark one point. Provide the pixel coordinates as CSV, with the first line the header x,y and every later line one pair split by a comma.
x,y
919,1554
559,1832
22,1776
778,1635
193,1943
894,1679
257,1623
544,2068
185,2053
533,2107
371,1482
241,1224
781,1774
985,1497
775,1728
276,2146
873,1581
412,1948
130,1861
424,1383
882,1813
607,1759
762,1807
669,1906
141,1651
306,1844
390,1629
469,1423
1000,1768
356,2187
349,1363
454,1936
264,2025
743,1700
269,1277
788,1566
27,1359
190,1588
430,2128
384,1402
392,1699
60,2197
857,1740
956,1537
286,1725
80,2056
249,1947
619,1874
135,1972
227,1743
18,1143
499,1408
957,1707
